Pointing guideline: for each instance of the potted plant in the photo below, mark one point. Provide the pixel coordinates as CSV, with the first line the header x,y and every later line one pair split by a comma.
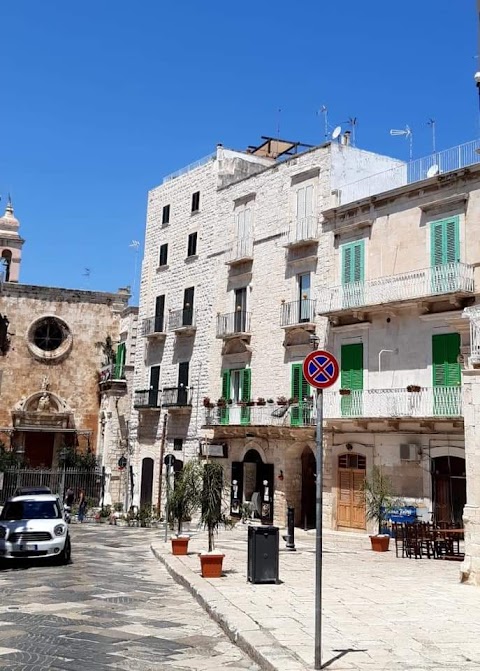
x,y
250,403
222,402
414,388
293,400
183,501
212,517
261,401
270,401
344,392
206,402
145,516
378,500
282,400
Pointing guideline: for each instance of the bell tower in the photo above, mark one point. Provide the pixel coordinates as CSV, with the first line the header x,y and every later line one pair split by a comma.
x,y
10,244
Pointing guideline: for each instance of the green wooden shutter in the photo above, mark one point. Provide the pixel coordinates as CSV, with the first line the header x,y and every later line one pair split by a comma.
x,y
446,369
346,264
351,377
246,388
444,241
300,389
353,262
120,361
226,395
358,262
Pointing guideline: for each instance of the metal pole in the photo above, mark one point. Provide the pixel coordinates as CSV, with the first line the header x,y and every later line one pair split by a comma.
x,y
167,478
160,465
318,545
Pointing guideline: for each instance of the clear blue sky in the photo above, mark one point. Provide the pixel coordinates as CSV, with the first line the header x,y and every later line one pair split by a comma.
x,y
101,98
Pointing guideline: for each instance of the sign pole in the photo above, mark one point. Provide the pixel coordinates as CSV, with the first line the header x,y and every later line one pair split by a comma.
x,y
319,529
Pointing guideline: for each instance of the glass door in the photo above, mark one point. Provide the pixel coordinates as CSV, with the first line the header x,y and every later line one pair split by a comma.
x,y
304,298
240,316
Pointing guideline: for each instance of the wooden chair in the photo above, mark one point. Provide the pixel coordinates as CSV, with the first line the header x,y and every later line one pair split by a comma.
x,y
399,536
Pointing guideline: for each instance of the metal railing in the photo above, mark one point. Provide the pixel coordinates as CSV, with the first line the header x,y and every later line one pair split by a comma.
x,y
153,325
233,323
147,398
179,319
437,280
271,414
298,312
303,230
394,403
177,396
473,313
190,167
57,479
448,160
242,249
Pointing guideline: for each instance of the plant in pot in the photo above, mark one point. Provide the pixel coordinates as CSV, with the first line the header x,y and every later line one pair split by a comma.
x,y
378,500
261,401
212,517
183,502
414,388
222,402
282,400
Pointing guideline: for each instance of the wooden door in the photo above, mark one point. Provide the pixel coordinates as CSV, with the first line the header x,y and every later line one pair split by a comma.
x,y
39,449
146,489
350,496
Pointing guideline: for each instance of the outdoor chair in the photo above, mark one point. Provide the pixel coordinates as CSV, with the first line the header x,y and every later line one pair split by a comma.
x,y
399,536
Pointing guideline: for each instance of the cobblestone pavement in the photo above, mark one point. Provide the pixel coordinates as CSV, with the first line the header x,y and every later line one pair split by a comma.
x,y
114,607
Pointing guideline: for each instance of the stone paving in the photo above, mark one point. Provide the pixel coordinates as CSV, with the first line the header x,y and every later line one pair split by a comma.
x,y
113,607
379,612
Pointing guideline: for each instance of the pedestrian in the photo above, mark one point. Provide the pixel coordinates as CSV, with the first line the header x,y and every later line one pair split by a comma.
x,y
69,497
82,506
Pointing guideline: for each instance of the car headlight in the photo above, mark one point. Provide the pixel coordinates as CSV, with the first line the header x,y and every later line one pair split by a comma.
x,y
59,530
3,532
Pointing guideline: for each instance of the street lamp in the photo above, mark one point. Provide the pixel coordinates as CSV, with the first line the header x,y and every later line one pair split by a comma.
x,y
62,456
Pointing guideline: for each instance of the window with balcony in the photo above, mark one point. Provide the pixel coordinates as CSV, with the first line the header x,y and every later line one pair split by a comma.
x,y
237,388
304,298
301,409
351,378
196,201
304,213
353,263
159,314
163,257
153,394
165,215
445,254
446,372
192,245
120,356
188,298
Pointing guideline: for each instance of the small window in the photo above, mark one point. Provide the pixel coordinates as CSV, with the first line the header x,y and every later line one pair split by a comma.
x,y
196,201
166,214
163,255
356,461
192,244
177,444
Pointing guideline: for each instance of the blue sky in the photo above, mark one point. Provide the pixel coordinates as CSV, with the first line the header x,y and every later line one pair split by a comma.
x,y
101,99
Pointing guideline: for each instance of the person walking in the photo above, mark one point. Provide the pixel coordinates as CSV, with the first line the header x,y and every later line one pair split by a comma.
x,y
82,506
69,497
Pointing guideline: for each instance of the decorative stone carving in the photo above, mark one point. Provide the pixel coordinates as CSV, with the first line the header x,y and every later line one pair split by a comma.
x,y
44,404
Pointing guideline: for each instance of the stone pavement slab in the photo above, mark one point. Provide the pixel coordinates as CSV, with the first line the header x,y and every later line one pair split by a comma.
x,y
379,611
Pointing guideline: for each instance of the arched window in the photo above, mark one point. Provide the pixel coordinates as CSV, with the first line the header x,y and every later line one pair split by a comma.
x,y
7,262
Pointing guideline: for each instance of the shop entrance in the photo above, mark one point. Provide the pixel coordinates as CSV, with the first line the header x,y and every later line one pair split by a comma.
x,y
449,486
252,483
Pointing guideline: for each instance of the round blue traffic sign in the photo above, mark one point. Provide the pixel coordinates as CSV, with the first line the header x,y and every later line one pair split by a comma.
x,y
320,369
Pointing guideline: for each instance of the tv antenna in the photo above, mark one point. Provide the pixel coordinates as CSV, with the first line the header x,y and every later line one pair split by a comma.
x,y
407,133
431,122
324,110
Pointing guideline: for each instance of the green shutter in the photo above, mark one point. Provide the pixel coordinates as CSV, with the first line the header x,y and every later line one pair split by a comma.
x,y
351,377
225,395
445,241
446,369
300,389
353,261
346,264
246,386
118,373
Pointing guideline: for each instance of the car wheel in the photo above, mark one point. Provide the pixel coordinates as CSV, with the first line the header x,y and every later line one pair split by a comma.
x,y
66,554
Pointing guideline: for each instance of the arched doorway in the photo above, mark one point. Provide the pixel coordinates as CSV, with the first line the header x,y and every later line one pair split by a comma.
x,y
7,262
350,496
146,489
309,470
252,482
449,489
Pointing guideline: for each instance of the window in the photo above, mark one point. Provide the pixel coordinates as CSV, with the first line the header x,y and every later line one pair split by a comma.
x,y
301,411
49,338
159,313
445,246
353,262
120,356
163,255
177,444
192,244
304,203
237,387
196,201
188,298
166,215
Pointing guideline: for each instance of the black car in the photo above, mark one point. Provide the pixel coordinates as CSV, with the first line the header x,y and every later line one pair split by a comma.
x,y
25,491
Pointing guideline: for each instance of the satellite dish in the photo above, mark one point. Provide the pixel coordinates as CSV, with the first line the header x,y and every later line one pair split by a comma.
x,y
336,132
433,170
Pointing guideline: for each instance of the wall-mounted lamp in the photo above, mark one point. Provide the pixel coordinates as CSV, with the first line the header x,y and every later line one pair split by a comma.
x,y
280,475
349,447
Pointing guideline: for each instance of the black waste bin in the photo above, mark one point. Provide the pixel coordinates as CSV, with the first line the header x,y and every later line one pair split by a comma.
x,y
262,554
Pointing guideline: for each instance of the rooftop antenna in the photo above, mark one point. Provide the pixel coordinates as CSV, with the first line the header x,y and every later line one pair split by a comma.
x,y
431,122
135,245
278,123
407,134
324,110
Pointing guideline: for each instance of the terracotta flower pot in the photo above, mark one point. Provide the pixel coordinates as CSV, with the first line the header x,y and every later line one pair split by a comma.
x,y
380,543
211,565
180,545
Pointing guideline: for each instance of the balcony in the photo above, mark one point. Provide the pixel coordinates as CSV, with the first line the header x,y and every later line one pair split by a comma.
x,y
302,232
153,328
428,403
234,325
182,322
271,414
430,284
298,315
177,398
147,399
112,376
473,314
241,252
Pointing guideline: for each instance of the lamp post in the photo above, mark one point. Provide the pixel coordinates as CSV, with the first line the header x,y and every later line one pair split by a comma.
x,y
63,458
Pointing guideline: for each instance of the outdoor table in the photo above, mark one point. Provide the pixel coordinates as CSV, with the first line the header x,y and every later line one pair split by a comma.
x,y
449,539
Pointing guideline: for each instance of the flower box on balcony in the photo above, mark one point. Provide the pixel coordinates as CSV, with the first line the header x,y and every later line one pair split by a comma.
x,y
344,392
282,400
270,400
261,401
414,387
293,400
221,402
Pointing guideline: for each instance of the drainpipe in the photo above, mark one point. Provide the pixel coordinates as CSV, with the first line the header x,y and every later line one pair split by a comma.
x,y
382,351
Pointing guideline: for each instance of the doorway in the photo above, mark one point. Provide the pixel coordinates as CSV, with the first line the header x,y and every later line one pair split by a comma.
x,y
309,472
252,482
39,449
350,496
146,489
449,489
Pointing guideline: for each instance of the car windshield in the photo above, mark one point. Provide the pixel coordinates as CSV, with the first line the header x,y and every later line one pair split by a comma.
x,y
31,510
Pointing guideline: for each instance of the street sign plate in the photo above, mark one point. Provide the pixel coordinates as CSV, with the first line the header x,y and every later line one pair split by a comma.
x,y
320,369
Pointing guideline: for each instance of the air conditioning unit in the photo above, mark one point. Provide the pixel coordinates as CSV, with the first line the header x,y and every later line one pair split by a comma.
x,y
409,452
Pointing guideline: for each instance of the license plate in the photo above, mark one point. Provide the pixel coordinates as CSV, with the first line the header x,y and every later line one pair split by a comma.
x,y
28,548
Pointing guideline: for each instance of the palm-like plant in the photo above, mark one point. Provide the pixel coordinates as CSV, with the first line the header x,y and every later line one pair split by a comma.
x,y
378,496
186,496
211,500
106,346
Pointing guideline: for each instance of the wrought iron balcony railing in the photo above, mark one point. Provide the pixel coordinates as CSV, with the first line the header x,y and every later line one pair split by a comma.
x,y
153,327
473,313
297,313
449,278
271,414
241,251
147,398
302,231
233,324
177,397
182,320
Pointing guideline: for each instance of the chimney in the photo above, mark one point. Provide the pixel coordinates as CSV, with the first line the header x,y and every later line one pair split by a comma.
x,y
346,138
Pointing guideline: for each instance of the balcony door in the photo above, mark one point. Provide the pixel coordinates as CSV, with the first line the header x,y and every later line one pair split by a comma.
x,y
302,409
445,255
236,387
154,386
159,313
353,263
351,378
240,315
350,494
446,373
304,212
304,296
183,372
188,298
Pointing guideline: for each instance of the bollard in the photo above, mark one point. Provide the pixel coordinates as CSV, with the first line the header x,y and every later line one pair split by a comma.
x,y
290,537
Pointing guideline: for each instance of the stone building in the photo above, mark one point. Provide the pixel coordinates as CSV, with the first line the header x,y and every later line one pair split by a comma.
x,y
51,356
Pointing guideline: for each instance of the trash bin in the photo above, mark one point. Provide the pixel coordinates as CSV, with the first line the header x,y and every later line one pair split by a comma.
x,y
263,542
